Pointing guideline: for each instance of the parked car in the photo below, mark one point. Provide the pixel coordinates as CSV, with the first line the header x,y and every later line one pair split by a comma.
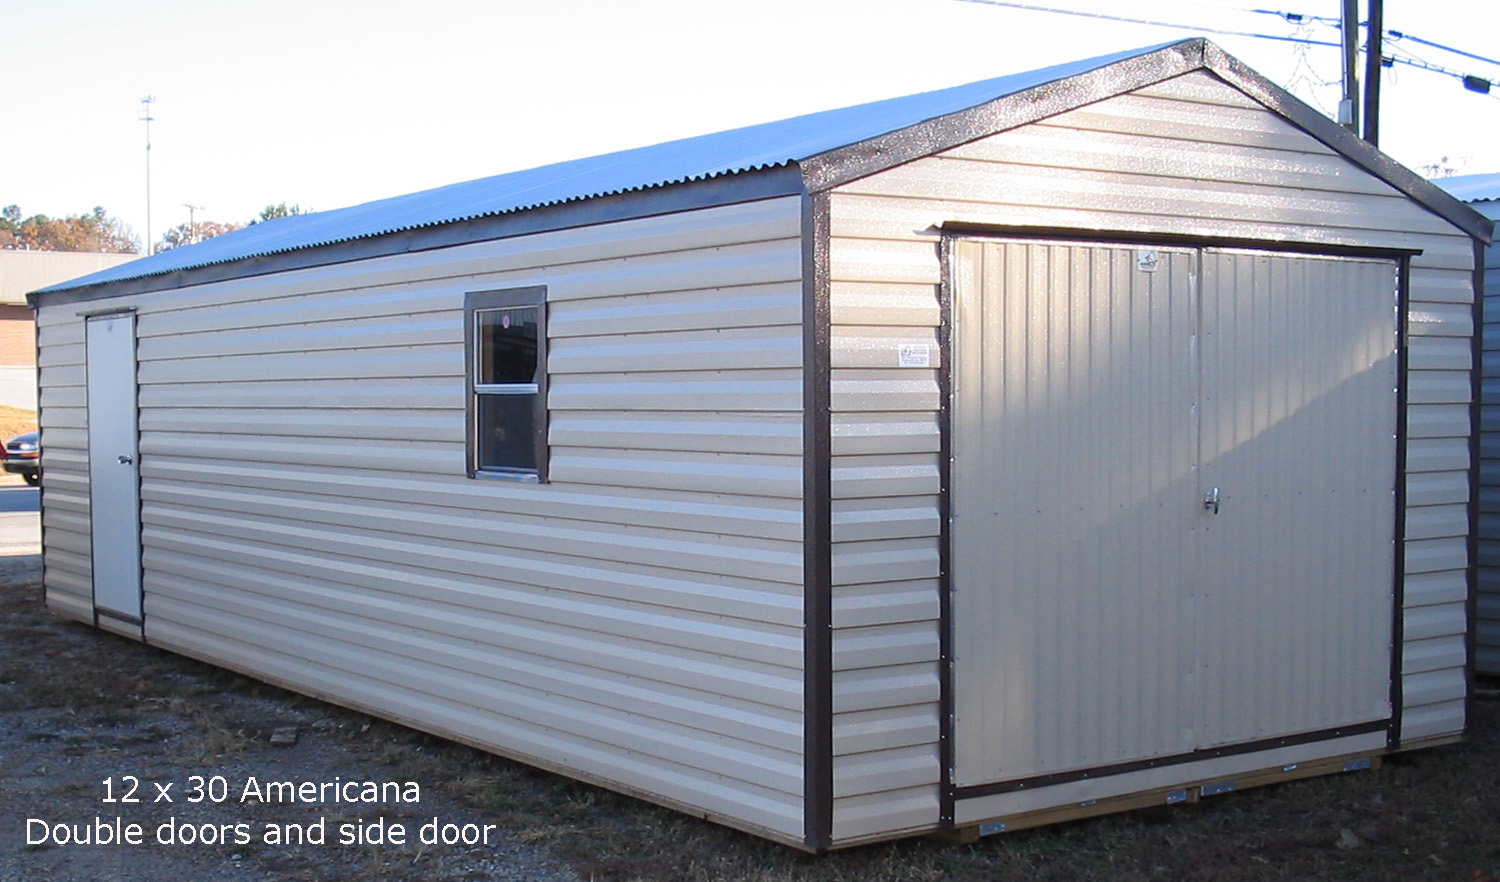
x,y
23,457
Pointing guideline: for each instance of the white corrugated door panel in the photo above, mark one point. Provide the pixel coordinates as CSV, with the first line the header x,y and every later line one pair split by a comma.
x,y
1298,435
114,490
1074,499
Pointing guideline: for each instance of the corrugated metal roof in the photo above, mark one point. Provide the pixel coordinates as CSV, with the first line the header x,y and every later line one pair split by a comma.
x,y
1472,188
736,151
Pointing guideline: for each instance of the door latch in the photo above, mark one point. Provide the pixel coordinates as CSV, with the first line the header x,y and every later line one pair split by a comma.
x,y
1211,500
126,460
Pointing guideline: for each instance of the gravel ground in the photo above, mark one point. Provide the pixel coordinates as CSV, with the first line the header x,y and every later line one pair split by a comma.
x,y
79,708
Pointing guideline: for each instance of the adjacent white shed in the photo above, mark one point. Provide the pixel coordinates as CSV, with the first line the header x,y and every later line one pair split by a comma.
x,y
1071,441
1483,193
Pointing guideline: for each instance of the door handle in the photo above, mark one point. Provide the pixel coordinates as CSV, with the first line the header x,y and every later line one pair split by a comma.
x,y
126,460
1211,500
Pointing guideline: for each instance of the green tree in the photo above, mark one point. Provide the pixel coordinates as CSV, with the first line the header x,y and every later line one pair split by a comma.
x,y
280,209
95,231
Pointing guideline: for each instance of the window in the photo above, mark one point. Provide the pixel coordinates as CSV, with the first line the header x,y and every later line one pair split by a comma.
x,y
506,334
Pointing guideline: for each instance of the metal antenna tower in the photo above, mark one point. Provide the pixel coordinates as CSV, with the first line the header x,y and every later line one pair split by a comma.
x,y
146,117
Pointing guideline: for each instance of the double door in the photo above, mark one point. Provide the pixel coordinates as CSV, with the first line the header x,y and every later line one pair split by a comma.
x,y
1172,501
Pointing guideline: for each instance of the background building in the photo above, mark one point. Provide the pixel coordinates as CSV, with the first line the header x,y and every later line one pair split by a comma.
x,y
22,272
1483,192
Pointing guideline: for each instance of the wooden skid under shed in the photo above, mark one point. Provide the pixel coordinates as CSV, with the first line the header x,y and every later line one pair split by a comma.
x,y
1188,793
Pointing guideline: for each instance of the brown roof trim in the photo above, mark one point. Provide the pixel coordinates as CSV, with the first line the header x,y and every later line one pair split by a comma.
x,y
1351,146
865,158
838,167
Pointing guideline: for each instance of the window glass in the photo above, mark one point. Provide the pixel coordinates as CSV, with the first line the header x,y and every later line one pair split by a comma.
x,y
507,383
507,345
506,429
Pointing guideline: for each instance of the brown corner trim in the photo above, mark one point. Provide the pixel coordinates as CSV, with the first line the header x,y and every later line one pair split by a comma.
x,y
817,527
41,492
1476,395
1398,555
945,538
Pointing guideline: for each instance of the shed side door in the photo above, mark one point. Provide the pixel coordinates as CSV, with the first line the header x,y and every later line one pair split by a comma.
x,y
1073,503
114,490
1299,436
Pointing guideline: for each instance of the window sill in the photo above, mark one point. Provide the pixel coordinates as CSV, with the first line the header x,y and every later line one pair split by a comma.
x,y
512,477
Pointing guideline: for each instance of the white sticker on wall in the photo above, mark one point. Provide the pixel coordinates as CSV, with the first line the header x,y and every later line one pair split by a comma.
x,y
1147,261
916,355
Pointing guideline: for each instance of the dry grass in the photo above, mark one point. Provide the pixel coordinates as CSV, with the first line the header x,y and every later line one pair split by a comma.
x,y
1432,815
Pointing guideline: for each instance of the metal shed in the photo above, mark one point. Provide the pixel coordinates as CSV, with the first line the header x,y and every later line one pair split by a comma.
x,y
1071,441
1483,193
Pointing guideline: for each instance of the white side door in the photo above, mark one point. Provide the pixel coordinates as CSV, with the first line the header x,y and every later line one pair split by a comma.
x,y
114,479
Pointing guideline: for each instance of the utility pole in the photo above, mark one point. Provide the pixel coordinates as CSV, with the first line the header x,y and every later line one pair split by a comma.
x,y
192,235
1349,105
145,117
1374,59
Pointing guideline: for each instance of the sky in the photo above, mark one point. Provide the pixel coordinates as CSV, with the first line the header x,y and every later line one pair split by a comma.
x,y
328,103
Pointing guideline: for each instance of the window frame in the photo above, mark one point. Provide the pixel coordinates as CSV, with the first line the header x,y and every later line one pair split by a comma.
x,y
476,302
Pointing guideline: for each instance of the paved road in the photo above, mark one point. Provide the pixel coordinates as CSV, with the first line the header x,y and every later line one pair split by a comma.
x,y
20,520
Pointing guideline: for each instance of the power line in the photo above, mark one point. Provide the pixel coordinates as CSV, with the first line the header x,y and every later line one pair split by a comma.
x,y
1202,29
1391,57
1299,18
1470,82
1400,35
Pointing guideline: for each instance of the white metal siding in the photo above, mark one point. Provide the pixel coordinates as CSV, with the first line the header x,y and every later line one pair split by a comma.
x,y
307,517
68,563
1191,156
1487,625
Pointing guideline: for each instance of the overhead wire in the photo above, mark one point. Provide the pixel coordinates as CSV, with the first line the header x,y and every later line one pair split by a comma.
x,y
1466,79
1402,35
1202,29
1304,71
1295,18
1391,57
